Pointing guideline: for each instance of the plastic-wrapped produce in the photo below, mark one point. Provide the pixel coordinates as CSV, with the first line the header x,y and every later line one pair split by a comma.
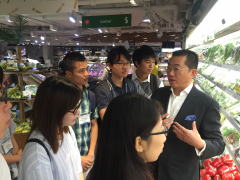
x,y
228,51
209,70
234,110
221,75
227,101
231,58
213,53
220,53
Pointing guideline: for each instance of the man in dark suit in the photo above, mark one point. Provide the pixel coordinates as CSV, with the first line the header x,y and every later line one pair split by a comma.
x,y
195,133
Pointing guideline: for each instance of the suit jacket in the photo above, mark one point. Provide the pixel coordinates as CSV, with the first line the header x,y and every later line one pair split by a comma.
x,y
179,160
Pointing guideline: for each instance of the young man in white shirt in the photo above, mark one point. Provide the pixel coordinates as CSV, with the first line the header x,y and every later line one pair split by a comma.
x,y
144,59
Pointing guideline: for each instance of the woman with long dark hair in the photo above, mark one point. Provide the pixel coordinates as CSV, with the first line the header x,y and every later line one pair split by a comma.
x,y
51,153
131,135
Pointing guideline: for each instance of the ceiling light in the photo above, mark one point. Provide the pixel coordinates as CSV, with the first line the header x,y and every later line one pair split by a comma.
x,y
56,38
99,30
33,34
42,37
42,42
137,36
76,35
113,44
77,43
144,38
157,27
172,35
70,40
116,38
53,27
36,41
9,18
28,39
89,38
72,18
104,36
133,2
147,17
48,43
106,30
80,22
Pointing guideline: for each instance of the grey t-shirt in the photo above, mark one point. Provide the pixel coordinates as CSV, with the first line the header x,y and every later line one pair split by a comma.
x,y
8,135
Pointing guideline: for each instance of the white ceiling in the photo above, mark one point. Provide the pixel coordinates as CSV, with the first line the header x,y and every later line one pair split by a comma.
x,y
162,11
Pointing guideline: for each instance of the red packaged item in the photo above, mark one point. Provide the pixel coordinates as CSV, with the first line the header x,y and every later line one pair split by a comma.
x,y
237,175
217,163
206,177
207,163
223,170
212,171
226,159
232,167
228,176
217,177
202,172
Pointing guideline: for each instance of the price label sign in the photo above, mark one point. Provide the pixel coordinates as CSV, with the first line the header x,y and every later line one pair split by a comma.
x,y
121,20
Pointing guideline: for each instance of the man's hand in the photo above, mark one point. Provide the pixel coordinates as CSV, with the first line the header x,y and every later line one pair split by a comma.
x,y
86,162
191,137
168,121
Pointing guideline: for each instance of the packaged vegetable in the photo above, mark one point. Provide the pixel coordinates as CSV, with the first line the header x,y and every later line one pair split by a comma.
x,y
237,175
228,176
202,172
212,171
207,163
232,167
217,163
217,177
224,170
206,177
226,159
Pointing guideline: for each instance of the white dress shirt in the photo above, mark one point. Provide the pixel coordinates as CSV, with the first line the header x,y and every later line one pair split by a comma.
x,y
175,104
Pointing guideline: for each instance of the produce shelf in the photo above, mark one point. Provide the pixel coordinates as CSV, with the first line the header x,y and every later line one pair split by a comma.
x,y
231,153
229,117
223,88
221,65
20,100
19,72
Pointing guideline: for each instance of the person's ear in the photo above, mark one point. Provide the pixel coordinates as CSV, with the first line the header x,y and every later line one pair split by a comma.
x,y
136,64
138,144
193,73
68,74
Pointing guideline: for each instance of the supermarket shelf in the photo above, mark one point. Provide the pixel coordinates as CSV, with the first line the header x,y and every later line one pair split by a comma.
x,y
231,153
226,66
20,100
230,119
225,113
20,72
223,88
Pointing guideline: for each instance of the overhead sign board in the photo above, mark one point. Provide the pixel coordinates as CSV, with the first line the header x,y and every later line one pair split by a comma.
x,y
8,7
107,21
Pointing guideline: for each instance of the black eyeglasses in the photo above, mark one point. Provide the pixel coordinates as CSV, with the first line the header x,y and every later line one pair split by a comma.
x,y
76,109
165,132
3,98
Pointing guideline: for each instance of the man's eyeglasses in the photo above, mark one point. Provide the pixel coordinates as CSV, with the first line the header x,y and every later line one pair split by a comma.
x,y
175,69
76,109
121,65
3,98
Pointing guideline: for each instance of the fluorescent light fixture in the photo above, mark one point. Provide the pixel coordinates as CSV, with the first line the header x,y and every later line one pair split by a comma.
x,y
76,35
53,27
147,17
99,30
116,38
157,27
48,43
36,41
172,35
56,38
42,42
133,2
72,18
171,50
80,22
9,18
77,43
104,36
137,36
28,39
33,34
113,44
106,30
42,37
89,38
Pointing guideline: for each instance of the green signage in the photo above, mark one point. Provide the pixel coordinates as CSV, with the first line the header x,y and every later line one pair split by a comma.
x,y
107,21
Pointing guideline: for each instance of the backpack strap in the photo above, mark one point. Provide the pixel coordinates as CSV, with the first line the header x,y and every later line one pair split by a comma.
x,y
130,85
129,76
41,143
107,90
154,82
92,99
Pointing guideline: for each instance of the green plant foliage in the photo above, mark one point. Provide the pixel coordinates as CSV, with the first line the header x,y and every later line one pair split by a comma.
x,y
8,35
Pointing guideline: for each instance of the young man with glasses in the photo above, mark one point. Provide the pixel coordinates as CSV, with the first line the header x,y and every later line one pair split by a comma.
x,y
195,133
144,59
86,128
117,83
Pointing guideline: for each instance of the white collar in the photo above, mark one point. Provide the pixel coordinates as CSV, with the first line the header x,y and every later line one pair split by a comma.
x,y
186,90
134,76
